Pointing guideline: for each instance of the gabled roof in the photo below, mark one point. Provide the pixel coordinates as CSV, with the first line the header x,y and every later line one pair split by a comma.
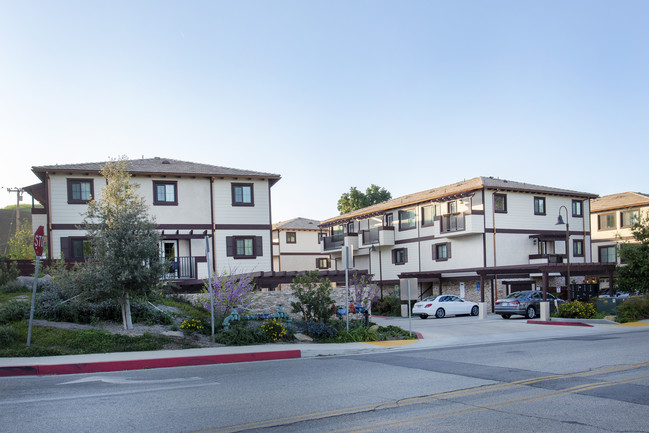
x,y
297,224
158,167
452,191
619,201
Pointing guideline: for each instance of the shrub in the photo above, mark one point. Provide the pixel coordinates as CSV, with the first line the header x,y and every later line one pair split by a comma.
x,y
317,330
240,335
8,335
633,309
355,335
273,329
69,305
229,291
194,325
313,296
14,311
388,306
8,272
577,310
14,287
394,333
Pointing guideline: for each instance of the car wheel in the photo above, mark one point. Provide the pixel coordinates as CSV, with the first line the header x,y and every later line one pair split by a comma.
x,y
506,316
531,313
440,313
424,316
475,310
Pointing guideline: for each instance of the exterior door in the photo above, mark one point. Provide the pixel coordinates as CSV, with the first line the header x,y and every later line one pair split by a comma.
x,y
169,252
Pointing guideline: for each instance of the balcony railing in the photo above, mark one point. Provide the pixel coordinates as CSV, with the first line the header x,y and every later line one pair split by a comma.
x,y
370,236
452,223
182,268
334,241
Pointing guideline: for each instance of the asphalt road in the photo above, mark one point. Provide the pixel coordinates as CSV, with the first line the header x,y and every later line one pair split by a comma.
x,y
595,380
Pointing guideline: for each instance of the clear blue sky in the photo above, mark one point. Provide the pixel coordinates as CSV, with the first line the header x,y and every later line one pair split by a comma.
x,y
408,95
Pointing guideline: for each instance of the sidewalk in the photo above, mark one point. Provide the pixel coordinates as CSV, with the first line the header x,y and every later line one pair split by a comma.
x,y
431,332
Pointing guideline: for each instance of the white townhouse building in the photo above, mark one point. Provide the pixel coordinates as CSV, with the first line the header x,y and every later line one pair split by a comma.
x,y
612,217
480,239
296,246
189,202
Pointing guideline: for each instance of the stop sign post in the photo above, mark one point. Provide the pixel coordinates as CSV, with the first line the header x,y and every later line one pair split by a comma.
x,y
39,240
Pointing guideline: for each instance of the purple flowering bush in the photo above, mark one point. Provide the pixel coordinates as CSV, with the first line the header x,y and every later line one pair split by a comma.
x,y
230,291
364,290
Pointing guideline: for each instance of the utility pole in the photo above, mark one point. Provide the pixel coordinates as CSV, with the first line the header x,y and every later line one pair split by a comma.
x,y
19,197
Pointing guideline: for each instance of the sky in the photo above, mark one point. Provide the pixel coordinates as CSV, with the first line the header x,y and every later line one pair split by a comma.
x,y
408,95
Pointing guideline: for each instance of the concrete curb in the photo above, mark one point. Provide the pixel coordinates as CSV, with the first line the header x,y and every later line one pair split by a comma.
x,y
138,364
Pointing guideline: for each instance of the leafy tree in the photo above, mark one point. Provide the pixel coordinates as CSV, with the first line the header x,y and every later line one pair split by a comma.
x,y
125,254
376,194
633,274
313,295
21,244
355,199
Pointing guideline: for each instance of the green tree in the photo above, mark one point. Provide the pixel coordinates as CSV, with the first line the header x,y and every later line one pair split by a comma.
x,y
125,254
355,199
313,295
633,273
21,244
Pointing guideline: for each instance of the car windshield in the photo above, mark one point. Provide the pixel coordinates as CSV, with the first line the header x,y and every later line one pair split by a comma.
x,y
428,299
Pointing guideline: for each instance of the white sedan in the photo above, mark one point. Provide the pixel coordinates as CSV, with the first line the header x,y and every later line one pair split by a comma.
x,y
441,305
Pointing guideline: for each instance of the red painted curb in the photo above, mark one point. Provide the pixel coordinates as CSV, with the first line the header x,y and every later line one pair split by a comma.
x,y
552,322
97,367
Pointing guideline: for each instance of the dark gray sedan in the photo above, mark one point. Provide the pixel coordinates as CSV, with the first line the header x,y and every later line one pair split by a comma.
x,y
527,303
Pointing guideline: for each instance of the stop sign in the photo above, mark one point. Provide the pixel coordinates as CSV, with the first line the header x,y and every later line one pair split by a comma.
x,y
39,237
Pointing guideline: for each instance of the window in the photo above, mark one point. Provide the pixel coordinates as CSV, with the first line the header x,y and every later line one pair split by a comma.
x,y
165,193
578,248
577,208
80,248
291,237
244,247
452,207
606,221
75,248
407,220
442,251
400,256
630,217
243,194
539,205
500,203
428,214
80,191
350,227
322,263
607,255
389,220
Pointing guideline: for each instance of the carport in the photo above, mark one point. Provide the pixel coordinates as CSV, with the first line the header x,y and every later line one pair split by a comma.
x,y
514,274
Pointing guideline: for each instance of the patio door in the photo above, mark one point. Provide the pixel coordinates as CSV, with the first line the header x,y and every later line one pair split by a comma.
x,y
169,250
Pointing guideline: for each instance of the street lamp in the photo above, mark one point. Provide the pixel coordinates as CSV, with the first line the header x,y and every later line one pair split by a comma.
x,y
561,222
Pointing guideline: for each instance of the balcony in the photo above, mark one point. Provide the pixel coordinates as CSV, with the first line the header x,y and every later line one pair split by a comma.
x,y
460,225
377,236
181,268
536,259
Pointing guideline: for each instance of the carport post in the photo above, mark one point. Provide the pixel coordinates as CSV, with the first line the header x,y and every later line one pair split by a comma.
x,y
545,305
482,306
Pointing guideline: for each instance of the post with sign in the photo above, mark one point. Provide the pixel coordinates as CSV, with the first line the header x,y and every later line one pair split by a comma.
x,y
39,240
